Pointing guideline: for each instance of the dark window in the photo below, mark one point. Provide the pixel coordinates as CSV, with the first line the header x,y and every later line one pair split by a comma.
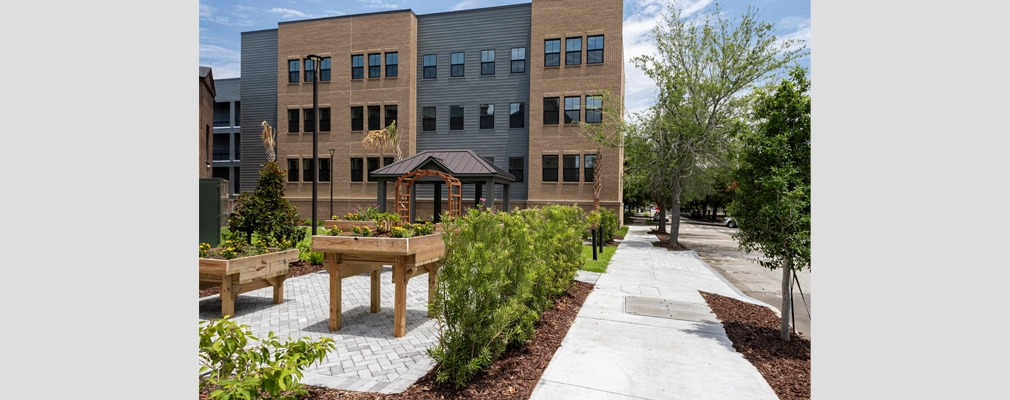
x,y
572,109
429,66
571,173
552,52
222,114
310,120
455,118
456,64
386,161
594,107
551,107
374,65
292,71
310,70
487,116
238,147
324,69
357,118
293,121
222,146
373,164
324,169
238,113
237,188
356,170
590,166
573,51
594,49
324,119
517,117
550,169
307,170
516,168
390,115
373,118
518,60
427,118
292,170
392,64
487,62
357,66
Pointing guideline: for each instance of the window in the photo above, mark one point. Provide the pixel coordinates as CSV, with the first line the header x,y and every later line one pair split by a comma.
x,y
550,169
356,170
307,170
573,51
293,170
551,106
357,66
373,164
357,118
571,173
373,118
310,120
386,161
487,116
222,114
292,121
310,70
517,115
518,60
238,113
427,118
374,65
487,62
456,64
552,52
594,49
392,64
324,169
238,147
429,66
573,109
292,71
455,118
324,69
516,168
594,105
222,146
590,167
324,119
390,114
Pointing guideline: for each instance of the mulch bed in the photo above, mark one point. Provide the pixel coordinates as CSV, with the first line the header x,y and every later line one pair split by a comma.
x,y
754,331
512,376
663,237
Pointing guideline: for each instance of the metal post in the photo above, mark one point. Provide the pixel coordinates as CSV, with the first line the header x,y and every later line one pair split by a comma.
x,y
592,234
315,135
331,182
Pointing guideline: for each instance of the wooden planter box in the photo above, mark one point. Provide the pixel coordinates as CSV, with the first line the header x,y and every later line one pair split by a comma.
x,y
244,274
418,249
346,226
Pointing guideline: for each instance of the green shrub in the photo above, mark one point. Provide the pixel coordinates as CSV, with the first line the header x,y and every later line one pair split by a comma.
x,y
306,254
609,224
266,212
241,370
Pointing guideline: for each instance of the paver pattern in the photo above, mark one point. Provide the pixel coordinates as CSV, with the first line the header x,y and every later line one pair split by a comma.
x,y
367,357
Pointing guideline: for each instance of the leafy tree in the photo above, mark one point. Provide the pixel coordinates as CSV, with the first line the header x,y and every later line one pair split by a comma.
x,y
384,139
702,66
772,197
609,133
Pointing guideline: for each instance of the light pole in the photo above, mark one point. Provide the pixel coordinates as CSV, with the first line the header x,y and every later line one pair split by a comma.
x,y
315,134
331,182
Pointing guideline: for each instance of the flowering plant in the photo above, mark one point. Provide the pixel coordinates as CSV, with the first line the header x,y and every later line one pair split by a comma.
x,y
335,231
362,231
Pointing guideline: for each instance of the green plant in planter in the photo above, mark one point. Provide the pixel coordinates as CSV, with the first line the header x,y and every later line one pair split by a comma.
x,y
401,232
243,370
204,247
334,231
362,214
384,221
362,231
426,228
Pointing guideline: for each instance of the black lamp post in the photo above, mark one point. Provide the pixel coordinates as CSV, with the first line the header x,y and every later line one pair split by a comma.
x,y
331,182
315,134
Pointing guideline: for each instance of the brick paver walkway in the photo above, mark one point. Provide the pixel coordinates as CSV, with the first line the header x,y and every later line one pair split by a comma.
x,y
368,357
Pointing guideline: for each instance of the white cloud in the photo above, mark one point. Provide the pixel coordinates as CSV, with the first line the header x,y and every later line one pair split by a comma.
x,y
468,4
217,53
287,12
797,28
223,70
378,4
334,12
210,14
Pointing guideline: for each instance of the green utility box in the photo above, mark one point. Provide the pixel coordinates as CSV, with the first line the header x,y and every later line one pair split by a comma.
x,y
213,209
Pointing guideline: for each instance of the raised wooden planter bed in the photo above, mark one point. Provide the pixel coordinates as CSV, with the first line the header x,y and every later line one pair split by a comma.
x,y
347,256
244,274
346,226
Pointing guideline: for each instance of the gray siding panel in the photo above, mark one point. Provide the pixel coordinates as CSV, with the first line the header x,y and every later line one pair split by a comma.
x,y
258,89
227,90
500,29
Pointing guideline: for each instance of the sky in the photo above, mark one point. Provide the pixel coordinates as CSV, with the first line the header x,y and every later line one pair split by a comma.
x,y
223,21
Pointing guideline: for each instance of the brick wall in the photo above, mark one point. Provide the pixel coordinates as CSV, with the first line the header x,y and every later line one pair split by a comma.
x,y
206,126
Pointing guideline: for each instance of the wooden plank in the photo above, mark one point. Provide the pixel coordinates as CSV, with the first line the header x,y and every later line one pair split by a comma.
x,y
347,226
375,290
335,291
369,258
400,299
349,270
246,287
242,278
269,261
360,245
227,298
278,283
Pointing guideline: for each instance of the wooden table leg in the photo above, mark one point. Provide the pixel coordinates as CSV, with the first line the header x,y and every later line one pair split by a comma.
x,y
332,268
278,283
227,297
375,289
432,286
400,298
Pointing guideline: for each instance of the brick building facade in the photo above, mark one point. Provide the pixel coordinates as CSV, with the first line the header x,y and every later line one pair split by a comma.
x,y
207,94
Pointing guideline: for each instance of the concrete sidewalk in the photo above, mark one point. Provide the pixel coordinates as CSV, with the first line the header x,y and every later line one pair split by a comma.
x,y
645,332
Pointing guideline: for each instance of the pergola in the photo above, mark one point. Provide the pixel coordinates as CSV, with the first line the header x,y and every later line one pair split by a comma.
x,y
464,165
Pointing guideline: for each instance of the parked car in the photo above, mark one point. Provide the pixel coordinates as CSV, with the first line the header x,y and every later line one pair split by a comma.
x,y
730,222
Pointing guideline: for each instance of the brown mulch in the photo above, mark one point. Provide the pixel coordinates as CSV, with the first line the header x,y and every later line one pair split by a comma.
x,y
663,237
754,331
512,376
297,268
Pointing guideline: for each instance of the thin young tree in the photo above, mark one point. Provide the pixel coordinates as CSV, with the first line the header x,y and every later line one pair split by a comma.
x,y
607,133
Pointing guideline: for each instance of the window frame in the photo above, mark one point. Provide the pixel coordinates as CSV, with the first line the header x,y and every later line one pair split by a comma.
x,y
325,68
454,121
548,172
484,64
596,111
297,121
294,169
577,100
329,172
588,172
395,64
461,64
308,120
513,60
425,119
307,170
556,111
324,119
569,51
557,61
310,69
570,174
590,50
359,172
357,71
486,116
521,168
433,67
386,108
369,169
521,115
360,121
294,74
377,68
377,118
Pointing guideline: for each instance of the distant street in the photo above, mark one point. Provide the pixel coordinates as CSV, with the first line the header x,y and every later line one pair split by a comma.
x,y
715,245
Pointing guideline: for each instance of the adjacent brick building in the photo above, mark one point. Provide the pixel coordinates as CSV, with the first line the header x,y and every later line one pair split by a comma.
x,y
207,93
464,80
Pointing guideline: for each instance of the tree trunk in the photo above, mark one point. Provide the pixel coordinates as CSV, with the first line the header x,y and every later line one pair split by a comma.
x,y
597,180
675,212
787,298
662,217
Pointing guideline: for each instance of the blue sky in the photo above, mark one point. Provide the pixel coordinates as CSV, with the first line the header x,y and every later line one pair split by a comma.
x,y
222,21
